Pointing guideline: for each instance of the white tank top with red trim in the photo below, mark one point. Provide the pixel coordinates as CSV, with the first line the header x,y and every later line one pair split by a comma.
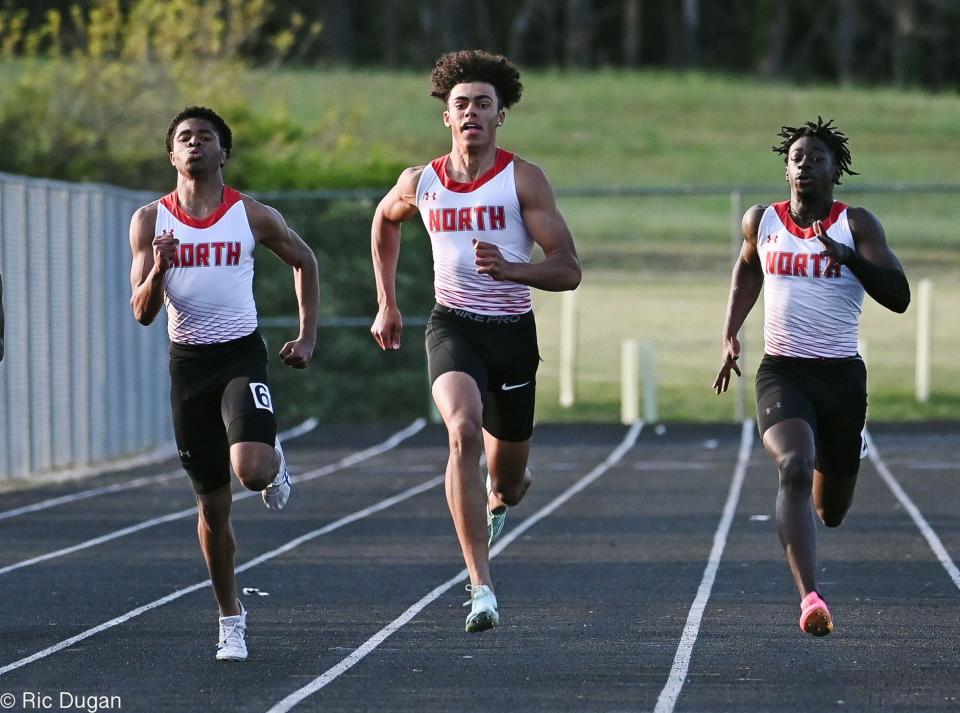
x,y
209,290
811,303
455,214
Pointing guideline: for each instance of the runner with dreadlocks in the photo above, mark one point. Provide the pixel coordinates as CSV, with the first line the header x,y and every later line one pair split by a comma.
x,y
813,257
484,209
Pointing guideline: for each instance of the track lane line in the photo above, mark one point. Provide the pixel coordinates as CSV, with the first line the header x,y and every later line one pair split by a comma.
x,y
373,642
294,432
681,661
260,559
921,522
345,462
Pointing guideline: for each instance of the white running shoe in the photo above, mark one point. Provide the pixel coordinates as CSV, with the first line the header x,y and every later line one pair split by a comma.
x,y
495,520
276,494
483,609
232,646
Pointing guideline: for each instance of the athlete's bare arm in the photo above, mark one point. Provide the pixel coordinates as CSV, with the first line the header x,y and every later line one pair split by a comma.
x,y
873,262
560,269
271,230
745,286
153,255
398,205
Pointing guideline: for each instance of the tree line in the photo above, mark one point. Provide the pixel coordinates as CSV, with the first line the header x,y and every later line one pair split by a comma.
x,y
898,42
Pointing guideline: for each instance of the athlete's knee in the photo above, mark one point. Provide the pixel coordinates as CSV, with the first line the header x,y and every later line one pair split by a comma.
x,y
833,505
465,435
255,475
511,493
796,472
832,516
214,515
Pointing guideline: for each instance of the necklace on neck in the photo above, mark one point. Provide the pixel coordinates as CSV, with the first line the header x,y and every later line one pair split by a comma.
x,y
798,218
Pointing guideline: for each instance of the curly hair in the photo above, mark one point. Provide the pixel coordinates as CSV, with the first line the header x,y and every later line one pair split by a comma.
x,y
829,134
202,112
455,68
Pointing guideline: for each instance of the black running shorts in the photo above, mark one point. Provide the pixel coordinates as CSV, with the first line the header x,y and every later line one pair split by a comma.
x,y
500,353
829,394
219,395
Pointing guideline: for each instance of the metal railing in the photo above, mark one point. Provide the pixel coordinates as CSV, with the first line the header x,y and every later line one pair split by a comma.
x,y
81,381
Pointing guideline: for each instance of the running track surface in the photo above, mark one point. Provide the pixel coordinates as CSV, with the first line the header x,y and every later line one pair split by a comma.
x,y
635,576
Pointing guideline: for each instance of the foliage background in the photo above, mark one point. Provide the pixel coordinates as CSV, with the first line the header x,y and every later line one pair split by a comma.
x,y
331,95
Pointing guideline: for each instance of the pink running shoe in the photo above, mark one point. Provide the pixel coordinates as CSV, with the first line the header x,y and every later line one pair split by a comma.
x,y
814,616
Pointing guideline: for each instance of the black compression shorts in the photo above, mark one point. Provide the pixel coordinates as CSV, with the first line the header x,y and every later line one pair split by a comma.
x,y
500,353
829,394
219,395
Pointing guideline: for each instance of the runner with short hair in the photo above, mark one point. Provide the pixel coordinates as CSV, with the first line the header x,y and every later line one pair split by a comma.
x,y
193,251
813,257
484,208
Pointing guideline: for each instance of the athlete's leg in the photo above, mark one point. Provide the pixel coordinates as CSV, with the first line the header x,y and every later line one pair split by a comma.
x,y
840,445
458,400
832,496
247,412
254,463
792,447
219,546
507,465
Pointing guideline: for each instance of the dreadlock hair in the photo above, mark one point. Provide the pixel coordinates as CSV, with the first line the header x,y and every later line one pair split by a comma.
x,y
829,134
455,68
202,112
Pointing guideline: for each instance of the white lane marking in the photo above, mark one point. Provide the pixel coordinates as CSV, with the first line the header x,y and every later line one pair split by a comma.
x,y
345,462
932,538
335,525
373,642
681,661
294,432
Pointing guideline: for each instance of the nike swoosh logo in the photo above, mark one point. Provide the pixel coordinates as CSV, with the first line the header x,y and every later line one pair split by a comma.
x,y
511,387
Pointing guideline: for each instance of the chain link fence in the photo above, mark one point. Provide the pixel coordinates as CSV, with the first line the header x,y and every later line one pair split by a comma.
x,y
83,383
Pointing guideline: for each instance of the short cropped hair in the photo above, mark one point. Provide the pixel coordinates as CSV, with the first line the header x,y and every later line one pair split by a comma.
x,y
455,68
202,112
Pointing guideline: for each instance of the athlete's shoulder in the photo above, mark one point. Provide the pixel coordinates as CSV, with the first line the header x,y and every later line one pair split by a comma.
x,y
862,222
751,221
530,177
407,183
411,175
521,164
859,214
265,220
145,216
255,207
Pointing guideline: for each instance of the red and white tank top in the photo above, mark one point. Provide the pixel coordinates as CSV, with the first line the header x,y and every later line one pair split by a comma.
x,y
811,303
209,290
488,210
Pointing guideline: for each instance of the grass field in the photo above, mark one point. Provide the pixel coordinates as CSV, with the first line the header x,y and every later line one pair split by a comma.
x,y
683,319
657,268
638,129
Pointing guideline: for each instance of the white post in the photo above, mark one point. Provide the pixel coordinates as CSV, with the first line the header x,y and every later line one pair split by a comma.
x,y
924,339
648,363
629,381
568,348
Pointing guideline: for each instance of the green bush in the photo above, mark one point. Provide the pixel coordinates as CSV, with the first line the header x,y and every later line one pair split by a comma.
x,y
350,378
93,91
